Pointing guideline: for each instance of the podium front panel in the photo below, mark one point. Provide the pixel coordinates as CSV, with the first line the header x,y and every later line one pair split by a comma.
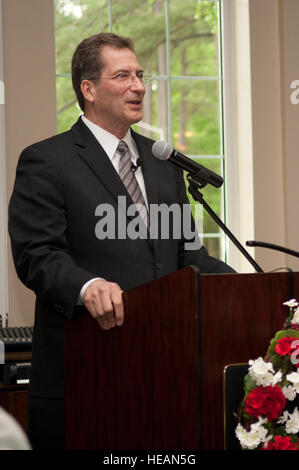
x,y
136,386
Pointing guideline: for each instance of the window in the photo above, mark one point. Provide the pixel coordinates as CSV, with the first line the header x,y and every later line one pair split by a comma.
x,y
179,44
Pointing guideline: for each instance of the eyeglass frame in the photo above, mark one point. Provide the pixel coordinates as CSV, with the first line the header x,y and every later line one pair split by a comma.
x,y
118,77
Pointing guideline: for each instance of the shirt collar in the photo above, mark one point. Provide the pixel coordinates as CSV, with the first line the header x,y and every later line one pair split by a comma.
x,y
108,141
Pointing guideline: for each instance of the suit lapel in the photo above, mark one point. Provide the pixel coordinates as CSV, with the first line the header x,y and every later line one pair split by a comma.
x,y
98,161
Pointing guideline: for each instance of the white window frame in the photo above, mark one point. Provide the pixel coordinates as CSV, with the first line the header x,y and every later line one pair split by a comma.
x,y
238,129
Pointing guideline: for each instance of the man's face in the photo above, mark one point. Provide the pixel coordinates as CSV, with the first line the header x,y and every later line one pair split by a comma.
x,y
118,101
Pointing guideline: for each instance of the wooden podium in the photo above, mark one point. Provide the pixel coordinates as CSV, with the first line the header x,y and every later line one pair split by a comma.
x,y
157,381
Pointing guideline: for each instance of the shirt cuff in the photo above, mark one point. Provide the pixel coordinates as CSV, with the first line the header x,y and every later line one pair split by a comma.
x,y
82,291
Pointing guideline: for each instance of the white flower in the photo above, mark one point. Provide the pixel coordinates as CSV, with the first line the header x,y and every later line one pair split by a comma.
x,y
276,378
289,392
259,366
283,418
291,303
294,379
295,319
263,373
268,438
253,438
291,421
292,424
255,426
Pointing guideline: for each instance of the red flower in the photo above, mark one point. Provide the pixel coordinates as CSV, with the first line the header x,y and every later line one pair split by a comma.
x,y
283,345
267,401
281,443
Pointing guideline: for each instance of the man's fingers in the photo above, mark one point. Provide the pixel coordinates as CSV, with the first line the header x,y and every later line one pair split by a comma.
x,y
112,304
117,301
104,302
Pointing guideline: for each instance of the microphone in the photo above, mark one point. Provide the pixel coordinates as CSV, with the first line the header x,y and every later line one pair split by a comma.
x,y
163,151
135,167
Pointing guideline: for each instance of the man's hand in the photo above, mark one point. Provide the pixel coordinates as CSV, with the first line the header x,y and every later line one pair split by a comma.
x,y
103,300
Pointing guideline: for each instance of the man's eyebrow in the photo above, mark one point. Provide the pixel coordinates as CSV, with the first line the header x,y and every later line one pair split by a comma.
x,y
127,71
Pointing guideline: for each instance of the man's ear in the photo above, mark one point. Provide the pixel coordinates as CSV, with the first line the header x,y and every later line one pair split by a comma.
x,y
88,90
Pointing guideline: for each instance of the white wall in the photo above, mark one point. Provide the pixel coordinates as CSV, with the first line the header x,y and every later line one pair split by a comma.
x,y
274,63
30,109
290,66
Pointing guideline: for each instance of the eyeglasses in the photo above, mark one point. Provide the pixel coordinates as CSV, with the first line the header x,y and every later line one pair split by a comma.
x,y
125,78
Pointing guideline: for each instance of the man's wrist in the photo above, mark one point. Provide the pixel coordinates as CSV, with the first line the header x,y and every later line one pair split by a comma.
x,y
84,287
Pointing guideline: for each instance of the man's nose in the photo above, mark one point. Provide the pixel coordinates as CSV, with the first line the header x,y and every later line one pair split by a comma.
x,y
137,84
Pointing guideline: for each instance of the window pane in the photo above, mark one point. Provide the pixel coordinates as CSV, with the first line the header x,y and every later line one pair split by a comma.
x,y
68,110
215,246
155,111
144,21
212,196
195,116
194,38
74,21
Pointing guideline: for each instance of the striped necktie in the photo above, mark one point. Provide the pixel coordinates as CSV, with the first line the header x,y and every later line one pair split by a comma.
x,y
127,175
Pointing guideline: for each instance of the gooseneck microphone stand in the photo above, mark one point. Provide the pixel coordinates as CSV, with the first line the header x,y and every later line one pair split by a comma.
x,y
273,247
194,190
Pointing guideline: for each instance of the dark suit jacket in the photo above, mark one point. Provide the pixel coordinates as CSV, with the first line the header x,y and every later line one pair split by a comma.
x,y
59,183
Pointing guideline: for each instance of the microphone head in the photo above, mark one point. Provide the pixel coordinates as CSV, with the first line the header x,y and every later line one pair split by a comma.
x,y
161,150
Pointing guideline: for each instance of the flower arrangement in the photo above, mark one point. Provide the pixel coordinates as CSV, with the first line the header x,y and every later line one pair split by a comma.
x,y
269,412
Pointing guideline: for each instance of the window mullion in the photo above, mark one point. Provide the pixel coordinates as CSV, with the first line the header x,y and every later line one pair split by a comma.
x,y
168,66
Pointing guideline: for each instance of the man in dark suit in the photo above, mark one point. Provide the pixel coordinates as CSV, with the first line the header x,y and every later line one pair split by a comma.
x,y
60,184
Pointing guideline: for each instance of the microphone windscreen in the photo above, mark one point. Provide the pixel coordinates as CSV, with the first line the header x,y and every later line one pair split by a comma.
x,y
161,150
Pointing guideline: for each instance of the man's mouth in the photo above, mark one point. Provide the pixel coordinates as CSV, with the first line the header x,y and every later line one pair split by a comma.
x,y
134,102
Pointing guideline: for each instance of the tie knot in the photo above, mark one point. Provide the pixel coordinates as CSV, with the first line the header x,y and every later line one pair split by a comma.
x,y
122,147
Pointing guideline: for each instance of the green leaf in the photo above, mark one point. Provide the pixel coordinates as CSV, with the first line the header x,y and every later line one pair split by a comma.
x,y
249,384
